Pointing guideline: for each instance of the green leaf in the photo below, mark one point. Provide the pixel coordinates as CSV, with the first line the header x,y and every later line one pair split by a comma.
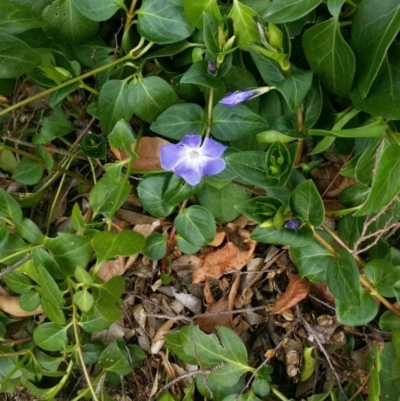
x,y
374,386
29,301
374,28
269,69
295,87
279,162
366,131
151,96
84,300
50,291
17,18
354,195
4,234
178,190
16,57
94,146
357,315
233,123
343,279
98,10
53,127
50,337
82,276
69,251
108,245
164,21
64,23
245,28
156,246
306,203
210,32
185,247
179,120
40,256
389,390
29,231
107,298
211,390
14,245
260,209
196,225
151,191
312,105
28,171
112,360
121,137
330,57
94,322
193,346
220,201
195,10
53,312
198,74
334,6
282,11
389,321
284,236
18,282
114,104
9,207
386,181
77,220
382,274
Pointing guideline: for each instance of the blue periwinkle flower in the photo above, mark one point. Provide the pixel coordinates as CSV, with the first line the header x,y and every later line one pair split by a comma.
x,y
293,224
193,160
212,68
232,99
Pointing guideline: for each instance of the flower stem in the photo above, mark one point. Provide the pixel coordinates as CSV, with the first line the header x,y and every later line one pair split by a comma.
x,y
130,15
209,113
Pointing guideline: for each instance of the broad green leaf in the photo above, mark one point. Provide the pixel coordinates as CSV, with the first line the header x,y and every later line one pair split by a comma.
x,y
108,245
7,158
220,201
156,246
41,257
186,247
107,298
382,274
28,171
343,279
54,126
18,282
29,301
50,337
77,219
246,31
195,10
114,104
17,18
94,322
374,386
308,365
112,360
279,162
50,290
249,166
334,6
29,231
211,390
387,81
259,209
353,315
164,21
269,69
365,163
64,23
91,351
121,137
329,56
389,390
4,234
295,87
9,207
312,105
178,190
94,146
366,131
354,195
151,96
386,181
389,321
69,251
16,57
197,74
151,190
53,312
14,245
196,225
282,11
84,300
306,203
284,236
179,120
211,28
98,10
374,28
233,123
50,363
82,276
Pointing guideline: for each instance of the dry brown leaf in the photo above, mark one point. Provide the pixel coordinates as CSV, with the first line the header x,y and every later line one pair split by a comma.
x,y
11,306
149,154
219,237
229,257
208,322
296,291
208,296
321,291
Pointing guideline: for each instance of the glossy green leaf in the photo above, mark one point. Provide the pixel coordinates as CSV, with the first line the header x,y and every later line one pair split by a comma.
x,y
195,10
164,22
186,247
233,123
69,251
15,245
64,23
198,74
389,321
50,290
374,28
220,201
366,131
151,96
77,220
40,256
29,301
114,104
210,32
259,209
28,171
4,234
16,57
179,120
343,279
282,11
386,181
353,315
54,126
50,337
245,28
269,69
108,245
94,146
121,137
107,298
18,282
334,6
94,322
178,190
98,10
279,161
156,246
382,274
151,190
210,389
9,207
196,225
306,203
312,105
53,312
112,360
374,386
84,300
329,56
389,390
284,236
17,18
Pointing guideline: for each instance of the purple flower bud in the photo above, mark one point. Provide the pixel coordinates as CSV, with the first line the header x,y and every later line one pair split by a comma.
x,y
212,68
293,224
232,99
192,162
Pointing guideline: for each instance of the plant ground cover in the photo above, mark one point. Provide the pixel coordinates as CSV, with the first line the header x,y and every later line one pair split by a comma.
x,y
199,199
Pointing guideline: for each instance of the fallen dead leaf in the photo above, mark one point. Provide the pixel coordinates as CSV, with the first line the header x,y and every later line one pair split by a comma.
x,y
297,289
229,257
11,306
321,291
213,316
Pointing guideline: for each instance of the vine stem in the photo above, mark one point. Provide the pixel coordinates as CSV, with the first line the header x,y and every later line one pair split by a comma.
x,y
209,112
130,15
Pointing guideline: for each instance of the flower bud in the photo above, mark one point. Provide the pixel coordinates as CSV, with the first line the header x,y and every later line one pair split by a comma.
x,y
212,68
293,224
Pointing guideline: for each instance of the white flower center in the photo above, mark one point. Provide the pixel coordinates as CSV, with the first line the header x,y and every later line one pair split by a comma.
x,y
194,154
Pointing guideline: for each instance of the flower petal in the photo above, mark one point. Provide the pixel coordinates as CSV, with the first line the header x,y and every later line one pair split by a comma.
x,y
189,171
172,155
191,141
212,167
211,148
232,99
